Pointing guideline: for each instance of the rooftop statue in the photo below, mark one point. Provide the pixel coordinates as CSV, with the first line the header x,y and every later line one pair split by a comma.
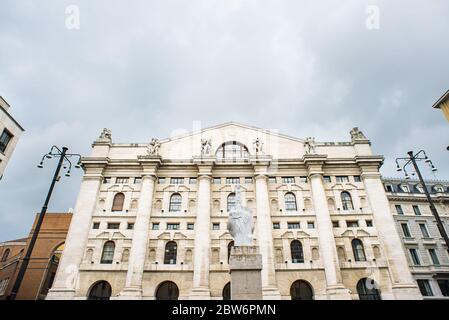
x,y
310,145
206,146
153,147
357,134
240,222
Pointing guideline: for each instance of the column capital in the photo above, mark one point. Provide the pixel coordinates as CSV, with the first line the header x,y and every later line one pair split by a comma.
x,y
260,176
149,176
314,163
204,176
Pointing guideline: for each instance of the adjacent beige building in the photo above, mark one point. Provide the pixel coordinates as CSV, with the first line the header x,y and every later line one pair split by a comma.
x,y
150,219
443,104
10,132
423,244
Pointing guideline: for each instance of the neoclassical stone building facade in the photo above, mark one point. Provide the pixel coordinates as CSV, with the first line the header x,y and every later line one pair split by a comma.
x,y
150,219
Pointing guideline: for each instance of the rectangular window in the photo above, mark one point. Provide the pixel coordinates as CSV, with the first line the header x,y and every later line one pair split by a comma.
x,y
276,225
369,223
406,230
311,225
107,180
415,257
176,180
248,180
327,179
434,257
335,224
352,224
96,225
416,210
272,179
424,287
424,231
193,180
5,138
232,180
302,179
357,179
217,180
172,226
444,287
293,225
130,226
121,180
137,180
389,188
155,226
399,209
342,178
113,225
190,226
161,180
288,179
215,226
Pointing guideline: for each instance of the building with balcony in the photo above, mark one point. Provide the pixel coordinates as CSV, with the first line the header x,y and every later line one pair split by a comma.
x,y
150,219
425,248
10,132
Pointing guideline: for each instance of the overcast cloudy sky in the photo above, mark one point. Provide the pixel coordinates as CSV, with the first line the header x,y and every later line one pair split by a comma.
x,y
145,68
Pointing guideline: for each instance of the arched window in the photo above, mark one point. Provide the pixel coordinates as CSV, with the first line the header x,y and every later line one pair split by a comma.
x,y
231,201
100,291
290,201
296,251
167,291
227,291
346,201
230,245
357,248
175,202
232,150
368,289
5,255
171,249
117,204
50,271
301,290
108,252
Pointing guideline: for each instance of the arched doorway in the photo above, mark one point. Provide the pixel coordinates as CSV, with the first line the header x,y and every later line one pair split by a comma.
x,y
101,290
167,291
367,289
50,272
227,291
301,290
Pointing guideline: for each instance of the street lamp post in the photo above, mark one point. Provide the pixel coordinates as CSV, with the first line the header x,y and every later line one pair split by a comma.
x,y
412,158
55,152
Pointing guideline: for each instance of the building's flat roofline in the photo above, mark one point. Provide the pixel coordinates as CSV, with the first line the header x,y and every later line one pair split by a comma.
x,y
441,100
7,113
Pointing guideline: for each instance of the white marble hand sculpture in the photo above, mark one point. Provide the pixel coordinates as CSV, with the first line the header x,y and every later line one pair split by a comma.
x,y
240,223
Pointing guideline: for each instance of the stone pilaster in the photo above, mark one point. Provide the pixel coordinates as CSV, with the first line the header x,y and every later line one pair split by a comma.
x,y
264,232
200,288
403,285
133,285
64,285
334,286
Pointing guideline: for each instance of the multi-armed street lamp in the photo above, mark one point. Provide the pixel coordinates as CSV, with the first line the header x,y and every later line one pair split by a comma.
x,y
412,158
65,163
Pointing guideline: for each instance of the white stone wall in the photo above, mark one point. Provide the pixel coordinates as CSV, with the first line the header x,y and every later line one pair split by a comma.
x,y
201,268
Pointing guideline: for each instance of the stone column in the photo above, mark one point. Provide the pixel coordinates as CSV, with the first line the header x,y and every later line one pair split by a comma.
x,y
403,285
334,286
200,288
64,285
264,234
134,277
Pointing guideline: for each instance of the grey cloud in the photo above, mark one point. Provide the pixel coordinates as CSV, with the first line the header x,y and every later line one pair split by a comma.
x,y
146,68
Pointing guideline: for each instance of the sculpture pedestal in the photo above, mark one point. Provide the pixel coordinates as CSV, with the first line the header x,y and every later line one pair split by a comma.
x,y
246,280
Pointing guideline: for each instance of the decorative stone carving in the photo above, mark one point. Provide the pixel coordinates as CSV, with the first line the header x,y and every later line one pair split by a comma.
x,y
240,222
206,146
310,145
106,134
258,146
356,134
153,147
